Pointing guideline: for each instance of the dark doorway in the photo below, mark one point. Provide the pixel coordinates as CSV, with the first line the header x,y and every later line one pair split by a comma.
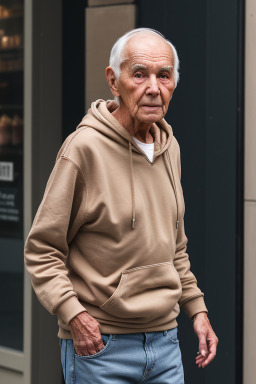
x,y
206,114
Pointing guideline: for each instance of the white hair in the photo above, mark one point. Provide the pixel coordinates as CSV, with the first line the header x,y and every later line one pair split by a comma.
x,y
117,52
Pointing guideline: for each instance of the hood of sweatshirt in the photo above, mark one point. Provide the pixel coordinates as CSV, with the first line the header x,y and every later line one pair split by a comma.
x,y
100,118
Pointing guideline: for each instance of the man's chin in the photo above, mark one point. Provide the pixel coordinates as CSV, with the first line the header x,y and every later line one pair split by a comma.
x,y
151,119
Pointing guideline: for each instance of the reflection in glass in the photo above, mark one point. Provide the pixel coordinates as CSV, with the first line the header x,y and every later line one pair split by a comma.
x,y
11,173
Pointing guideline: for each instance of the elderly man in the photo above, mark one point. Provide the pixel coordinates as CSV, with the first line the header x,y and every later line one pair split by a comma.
x,y
107,248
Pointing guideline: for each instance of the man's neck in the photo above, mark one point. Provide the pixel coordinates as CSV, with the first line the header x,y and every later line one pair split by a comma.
x,y
140,131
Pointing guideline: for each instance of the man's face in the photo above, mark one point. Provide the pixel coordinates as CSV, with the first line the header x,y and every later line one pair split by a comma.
x,y
146,83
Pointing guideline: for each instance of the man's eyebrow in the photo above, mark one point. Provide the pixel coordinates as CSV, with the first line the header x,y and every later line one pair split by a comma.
x,y
137,67
167,68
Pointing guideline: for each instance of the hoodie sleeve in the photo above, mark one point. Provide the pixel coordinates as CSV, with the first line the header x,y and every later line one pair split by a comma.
x,y
59,217
191,299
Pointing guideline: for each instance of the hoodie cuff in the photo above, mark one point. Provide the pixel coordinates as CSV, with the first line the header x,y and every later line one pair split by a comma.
x,y
194,306
69,309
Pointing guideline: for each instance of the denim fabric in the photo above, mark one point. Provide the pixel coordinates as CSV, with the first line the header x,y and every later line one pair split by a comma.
x,y
151,357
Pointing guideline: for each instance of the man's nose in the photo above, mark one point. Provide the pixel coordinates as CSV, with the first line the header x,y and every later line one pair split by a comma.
x,y
153,87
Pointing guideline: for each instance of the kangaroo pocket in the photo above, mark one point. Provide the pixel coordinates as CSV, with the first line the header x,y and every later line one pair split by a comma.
x,y
145,293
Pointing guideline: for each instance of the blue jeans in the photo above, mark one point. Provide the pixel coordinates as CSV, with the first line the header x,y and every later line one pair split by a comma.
x,y
151,357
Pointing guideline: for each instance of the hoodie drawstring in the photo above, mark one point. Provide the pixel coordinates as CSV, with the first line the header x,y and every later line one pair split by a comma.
x,y
170,172
168,164
132,186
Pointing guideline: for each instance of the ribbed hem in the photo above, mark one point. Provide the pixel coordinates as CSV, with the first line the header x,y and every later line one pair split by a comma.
x,y
69,309
194,306
112,329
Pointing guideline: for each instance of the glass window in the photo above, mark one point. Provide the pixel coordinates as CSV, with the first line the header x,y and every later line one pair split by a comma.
x,y
11,173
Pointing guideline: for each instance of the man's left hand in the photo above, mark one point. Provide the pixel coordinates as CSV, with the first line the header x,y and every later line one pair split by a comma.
x,y
208,341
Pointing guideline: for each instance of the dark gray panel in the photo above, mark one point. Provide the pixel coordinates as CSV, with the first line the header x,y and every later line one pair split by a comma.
x,y
46,140
73,64
95,3
220,180
203,114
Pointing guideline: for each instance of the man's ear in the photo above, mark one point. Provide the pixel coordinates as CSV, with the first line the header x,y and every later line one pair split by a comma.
x,y
112,81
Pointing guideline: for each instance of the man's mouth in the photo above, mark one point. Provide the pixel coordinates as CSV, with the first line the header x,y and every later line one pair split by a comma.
x,y
151,107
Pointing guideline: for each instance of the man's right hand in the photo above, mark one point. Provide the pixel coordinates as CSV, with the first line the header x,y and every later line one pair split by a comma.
x,y
85,331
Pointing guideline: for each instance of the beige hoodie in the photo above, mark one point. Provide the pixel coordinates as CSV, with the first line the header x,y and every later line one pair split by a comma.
x,y
108,236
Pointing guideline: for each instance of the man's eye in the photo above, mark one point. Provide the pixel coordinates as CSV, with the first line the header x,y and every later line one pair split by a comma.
x,y
138,75
164,76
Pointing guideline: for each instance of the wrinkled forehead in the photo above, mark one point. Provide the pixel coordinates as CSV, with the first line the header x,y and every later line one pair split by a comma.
x,y
149,47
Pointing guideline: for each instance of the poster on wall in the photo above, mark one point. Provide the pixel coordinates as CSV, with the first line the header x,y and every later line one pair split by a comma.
x,y
11,194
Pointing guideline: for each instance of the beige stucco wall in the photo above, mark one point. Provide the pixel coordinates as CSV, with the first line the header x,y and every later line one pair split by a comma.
x,y
250,197
104,25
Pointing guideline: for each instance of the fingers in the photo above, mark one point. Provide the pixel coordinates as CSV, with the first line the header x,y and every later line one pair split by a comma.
x,y
200,357
208,341
208,360
81,348
89,347
201,360
99,345
203,349
85,331
212,353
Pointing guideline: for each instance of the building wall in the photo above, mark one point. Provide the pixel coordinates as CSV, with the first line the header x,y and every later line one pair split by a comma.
x,y
250,197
